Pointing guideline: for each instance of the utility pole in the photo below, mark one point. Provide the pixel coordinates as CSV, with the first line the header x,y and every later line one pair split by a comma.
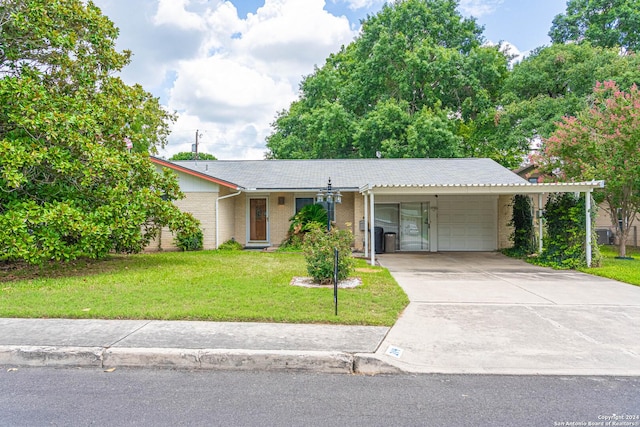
x,y
197,132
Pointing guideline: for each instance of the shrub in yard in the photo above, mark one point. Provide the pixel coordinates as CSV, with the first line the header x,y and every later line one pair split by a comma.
x,y
318,249
189,242
189,235
230,245
564,245
523,236
310,216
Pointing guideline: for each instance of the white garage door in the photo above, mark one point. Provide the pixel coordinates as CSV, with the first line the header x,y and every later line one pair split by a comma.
x,y
467,223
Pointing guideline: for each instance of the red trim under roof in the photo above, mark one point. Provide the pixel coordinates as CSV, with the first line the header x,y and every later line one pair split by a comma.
x,y
191,172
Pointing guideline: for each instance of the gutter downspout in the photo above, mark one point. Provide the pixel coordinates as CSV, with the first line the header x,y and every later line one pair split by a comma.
x,y
218,215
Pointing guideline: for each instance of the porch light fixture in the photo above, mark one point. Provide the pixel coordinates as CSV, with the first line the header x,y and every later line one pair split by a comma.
x,y
331,197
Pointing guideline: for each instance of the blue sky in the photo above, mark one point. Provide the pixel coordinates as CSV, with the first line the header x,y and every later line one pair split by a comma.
x,y
228,66
524,23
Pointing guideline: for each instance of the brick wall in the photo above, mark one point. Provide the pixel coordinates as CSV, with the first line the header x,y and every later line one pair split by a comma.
x,y
202,206
279,216
227,215
240,222
358,215
505,212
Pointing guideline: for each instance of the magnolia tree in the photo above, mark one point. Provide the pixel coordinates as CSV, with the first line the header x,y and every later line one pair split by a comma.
x,y
602,142
75,175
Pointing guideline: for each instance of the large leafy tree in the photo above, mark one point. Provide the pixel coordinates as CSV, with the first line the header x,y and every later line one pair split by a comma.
x,y
553,82
75,178
605,23
602,142
188,155
413,84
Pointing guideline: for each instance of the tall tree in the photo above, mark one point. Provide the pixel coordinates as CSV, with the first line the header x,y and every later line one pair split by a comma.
x,y
553,82
75,178
416,78
605,23
602,142
188,155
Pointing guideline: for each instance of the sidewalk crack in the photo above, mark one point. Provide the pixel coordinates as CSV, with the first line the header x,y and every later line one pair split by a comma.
x,y
124,337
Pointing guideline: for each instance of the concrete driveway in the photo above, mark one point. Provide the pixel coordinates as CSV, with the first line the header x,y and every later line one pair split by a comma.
x,y
487,313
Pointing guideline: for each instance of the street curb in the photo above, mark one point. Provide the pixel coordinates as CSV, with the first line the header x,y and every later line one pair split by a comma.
x,y
51,356
371,364
207,359
216,359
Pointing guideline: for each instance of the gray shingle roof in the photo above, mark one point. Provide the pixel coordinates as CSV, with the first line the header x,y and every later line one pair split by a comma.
x,y
353,173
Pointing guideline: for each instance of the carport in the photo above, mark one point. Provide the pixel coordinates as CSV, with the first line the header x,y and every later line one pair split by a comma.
x,y
460,216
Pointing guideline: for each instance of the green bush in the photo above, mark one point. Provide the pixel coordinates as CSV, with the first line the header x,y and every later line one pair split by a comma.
x,y
523,236
564,243
230,245
188,235
318,249
309,217
189,242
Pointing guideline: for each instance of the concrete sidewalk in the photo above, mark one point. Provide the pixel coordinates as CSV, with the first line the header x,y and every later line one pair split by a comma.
x,y
190,345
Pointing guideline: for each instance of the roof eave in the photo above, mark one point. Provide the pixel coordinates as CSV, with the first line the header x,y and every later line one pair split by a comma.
x,y
173,166
514,188
297,190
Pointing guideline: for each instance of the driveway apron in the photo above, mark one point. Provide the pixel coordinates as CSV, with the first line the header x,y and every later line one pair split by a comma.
x,y
486,313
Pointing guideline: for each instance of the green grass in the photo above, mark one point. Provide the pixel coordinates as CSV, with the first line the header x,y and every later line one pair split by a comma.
x,y
207,285
624,270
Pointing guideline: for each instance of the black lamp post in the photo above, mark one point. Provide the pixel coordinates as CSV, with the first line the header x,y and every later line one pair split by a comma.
x,y
329,196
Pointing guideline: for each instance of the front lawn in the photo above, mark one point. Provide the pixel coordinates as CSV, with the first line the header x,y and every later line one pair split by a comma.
x,y
207,285
624,270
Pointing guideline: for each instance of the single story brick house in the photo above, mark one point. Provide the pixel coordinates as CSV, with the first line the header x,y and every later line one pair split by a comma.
x,y
430,204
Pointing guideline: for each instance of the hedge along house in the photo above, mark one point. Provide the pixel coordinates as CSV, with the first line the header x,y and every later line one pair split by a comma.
x,y
426,205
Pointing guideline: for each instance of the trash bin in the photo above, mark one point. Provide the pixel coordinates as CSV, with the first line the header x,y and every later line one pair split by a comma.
x,y
378,233
389,242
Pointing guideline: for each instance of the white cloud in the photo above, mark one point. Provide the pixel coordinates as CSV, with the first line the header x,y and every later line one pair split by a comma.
x,y
513,52
478,8
362,4
228,142
156,48
247,70
222,22
289,37
225,75
173,12
219,89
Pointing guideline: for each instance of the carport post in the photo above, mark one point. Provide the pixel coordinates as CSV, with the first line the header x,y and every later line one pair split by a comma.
x,y
373,234
540,225
587,208
366,225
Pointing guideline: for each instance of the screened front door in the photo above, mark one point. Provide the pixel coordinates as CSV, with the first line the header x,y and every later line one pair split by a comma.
x,y
258,219
414,226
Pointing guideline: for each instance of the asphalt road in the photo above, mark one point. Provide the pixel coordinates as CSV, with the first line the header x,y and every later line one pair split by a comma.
x,y
82,397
